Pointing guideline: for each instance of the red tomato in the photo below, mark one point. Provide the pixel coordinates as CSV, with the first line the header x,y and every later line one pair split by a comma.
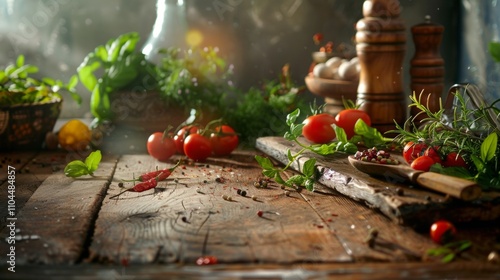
x,y
160,148
224,140
347,119
443,232
197,147
433,153
181,135
413,150
422,163
453,159
318,128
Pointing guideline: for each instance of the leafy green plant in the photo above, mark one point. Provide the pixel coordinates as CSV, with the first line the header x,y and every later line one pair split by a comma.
x,y
17,86
194,79
78,168
262,111
191,79
119,65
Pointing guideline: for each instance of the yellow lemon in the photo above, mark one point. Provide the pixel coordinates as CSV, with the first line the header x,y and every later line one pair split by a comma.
x,y
74,135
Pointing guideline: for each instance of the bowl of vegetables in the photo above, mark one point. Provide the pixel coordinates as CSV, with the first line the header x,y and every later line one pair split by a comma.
x,y
29,107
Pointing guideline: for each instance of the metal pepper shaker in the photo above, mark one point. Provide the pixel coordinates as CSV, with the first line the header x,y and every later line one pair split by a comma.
x,y
427,66
380,46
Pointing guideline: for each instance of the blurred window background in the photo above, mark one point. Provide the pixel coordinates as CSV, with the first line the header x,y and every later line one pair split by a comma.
x,y
257,36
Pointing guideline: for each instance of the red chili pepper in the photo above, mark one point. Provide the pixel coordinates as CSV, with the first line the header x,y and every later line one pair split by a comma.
x,y
144,186
148,176
151,183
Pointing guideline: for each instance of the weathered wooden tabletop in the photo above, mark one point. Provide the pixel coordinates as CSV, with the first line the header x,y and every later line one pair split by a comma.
x,y
72,228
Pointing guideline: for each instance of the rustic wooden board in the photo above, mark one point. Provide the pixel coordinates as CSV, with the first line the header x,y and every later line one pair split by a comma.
x,y
179,223
415,207
55,223
352,221
31,170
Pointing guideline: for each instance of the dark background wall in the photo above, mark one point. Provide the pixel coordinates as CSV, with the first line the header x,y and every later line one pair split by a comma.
x,y
257,36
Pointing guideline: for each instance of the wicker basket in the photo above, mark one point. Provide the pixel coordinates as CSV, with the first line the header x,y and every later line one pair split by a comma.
x,y
23,127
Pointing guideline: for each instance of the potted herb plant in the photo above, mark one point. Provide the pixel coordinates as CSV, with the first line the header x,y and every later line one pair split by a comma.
x,y
129,90
29,107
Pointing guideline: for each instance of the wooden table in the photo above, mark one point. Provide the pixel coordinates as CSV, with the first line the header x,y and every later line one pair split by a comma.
x,y
72,228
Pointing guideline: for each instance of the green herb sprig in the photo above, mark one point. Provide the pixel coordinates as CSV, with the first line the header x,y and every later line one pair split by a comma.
x,y
450,251
468,131
78,168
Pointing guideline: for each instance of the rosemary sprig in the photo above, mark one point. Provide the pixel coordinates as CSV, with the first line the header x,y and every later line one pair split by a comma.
x,y
467,129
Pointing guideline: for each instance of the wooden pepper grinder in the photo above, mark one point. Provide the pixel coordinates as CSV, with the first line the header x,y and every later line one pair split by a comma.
x,y
427,66
380,46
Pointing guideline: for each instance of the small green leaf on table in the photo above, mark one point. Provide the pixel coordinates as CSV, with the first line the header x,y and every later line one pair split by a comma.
x,y
78,168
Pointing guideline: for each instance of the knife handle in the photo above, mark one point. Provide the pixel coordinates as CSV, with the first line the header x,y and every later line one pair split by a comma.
x,y
453,186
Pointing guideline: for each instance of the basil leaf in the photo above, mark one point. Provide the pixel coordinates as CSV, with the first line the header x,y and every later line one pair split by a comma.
x,y
86,74
76,168
296,180
93,160
489,147
340,133
308,167
292,117
264,162
309,184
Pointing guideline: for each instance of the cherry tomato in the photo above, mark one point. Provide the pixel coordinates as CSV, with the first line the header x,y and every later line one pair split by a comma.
x,y
224,140
318,128
412,150
442,232
453,159
197,147
181,135
422,163
159,147
347,119
434,154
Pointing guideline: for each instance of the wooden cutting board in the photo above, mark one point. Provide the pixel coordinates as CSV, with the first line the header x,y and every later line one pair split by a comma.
x,y
397,199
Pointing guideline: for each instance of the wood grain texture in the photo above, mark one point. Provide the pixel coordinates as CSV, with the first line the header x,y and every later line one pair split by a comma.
x,y
56,221
352,222
181,221
389,193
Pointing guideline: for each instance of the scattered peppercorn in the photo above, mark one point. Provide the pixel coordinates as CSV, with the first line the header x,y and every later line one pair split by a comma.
x,y
120,184
243,193
400,191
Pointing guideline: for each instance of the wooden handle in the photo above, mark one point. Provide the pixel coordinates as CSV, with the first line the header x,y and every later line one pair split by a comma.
x,y
453,186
